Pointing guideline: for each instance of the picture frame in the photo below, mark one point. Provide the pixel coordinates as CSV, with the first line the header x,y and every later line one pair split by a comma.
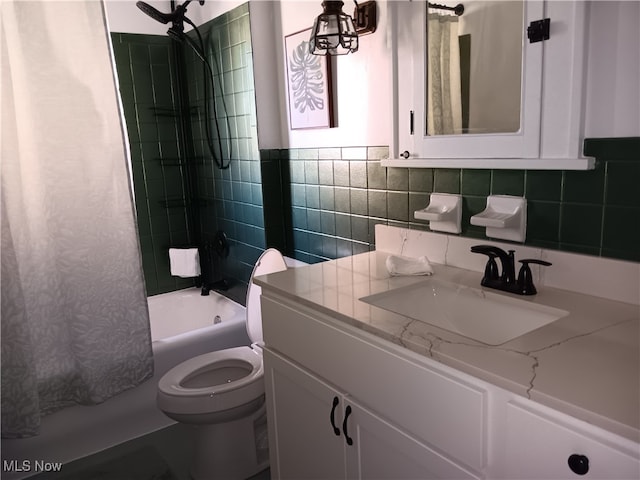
x,y
309,84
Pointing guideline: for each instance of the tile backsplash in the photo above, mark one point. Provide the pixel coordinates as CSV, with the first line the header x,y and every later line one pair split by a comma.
x,y
335,196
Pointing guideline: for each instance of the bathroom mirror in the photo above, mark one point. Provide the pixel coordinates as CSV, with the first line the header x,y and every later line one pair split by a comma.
x,y
473,67
532,119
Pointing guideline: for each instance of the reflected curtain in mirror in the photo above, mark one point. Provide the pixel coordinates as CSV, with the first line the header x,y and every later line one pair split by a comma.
x,y
474,61
444,100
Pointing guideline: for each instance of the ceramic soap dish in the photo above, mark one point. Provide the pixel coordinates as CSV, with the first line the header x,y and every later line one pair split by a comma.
x,y
444,212
504,217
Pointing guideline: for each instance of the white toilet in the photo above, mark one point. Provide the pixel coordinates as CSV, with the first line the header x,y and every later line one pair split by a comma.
x,y
222,394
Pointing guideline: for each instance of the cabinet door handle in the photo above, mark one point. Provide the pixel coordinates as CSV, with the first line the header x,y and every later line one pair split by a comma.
x,y
579,464
332,417
347,412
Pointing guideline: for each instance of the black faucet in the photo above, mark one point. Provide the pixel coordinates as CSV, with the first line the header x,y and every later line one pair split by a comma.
x,y
507,281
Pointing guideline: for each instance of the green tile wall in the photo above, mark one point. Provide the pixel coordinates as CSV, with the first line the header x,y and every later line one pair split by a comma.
x,y
146,78
230,199
182,198
333,197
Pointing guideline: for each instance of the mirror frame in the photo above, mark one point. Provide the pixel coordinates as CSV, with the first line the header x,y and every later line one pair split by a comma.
x,y
518,150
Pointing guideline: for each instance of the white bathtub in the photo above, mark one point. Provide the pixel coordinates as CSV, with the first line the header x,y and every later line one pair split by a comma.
x,y
184,311
182,326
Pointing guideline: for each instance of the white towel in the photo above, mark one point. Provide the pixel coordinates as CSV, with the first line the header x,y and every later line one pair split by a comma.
x,y
185,262
398,265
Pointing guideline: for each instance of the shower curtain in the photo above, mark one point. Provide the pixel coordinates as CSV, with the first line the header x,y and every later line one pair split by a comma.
x,y
75,324
444,97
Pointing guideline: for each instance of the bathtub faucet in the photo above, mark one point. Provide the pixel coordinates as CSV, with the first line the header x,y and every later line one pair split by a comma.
x,y
221,285
212,253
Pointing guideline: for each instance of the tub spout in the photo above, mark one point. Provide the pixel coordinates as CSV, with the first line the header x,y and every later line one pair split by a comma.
x,y
220,285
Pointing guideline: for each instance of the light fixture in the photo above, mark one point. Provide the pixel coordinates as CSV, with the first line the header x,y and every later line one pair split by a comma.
x,y
335,33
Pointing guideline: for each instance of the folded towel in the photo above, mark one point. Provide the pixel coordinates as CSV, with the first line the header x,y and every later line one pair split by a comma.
x,y
185,262
398,265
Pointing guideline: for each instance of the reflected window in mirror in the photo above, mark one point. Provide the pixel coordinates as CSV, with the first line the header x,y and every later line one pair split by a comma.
x,y
474,67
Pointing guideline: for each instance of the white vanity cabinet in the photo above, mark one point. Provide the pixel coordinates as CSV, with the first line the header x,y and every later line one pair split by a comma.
x,y
325,386
321,432
343,403
549,86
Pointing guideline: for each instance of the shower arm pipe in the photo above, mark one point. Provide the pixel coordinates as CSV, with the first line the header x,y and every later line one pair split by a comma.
x,y
200,52
458,9
177,17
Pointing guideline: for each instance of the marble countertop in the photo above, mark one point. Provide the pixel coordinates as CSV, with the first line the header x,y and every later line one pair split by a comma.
x,y
586,364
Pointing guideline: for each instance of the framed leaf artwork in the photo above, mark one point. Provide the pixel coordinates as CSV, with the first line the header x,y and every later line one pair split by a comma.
x,y
308,84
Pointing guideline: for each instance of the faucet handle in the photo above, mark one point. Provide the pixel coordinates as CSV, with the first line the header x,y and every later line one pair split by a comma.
x,y
525,278
484,249
491,268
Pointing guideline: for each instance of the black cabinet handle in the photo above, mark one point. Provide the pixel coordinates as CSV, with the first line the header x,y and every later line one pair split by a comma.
x,y
579,464
405,154
332,417
347,412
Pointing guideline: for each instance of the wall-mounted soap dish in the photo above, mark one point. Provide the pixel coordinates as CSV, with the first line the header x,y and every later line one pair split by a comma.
x,y
444,212
505,217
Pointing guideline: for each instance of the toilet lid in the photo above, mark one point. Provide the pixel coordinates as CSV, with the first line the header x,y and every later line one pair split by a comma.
x,y
270,261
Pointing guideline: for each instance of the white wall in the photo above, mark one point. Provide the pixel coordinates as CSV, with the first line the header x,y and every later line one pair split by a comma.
x,y
211,9
613,70
124,17
266,32
363,88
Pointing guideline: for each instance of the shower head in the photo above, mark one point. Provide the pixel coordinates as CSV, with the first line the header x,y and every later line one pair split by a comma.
x,y
177,16
154,13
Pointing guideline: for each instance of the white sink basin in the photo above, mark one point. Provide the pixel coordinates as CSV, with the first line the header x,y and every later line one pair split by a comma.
x,y
487,317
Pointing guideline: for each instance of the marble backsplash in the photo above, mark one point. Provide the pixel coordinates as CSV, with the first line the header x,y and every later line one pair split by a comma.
x,y
597,276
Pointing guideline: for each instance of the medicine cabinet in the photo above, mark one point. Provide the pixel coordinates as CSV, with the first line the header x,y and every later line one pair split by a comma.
x,y
517,102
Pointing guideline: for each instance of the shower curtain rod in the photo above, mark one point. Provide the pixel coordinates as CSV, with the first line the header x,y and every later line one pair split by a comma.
x,y
458,9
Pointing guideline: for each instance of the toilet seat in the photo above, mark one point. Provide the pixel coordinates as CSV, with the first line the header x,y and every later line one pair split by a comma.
x,y
271,261
239,371
225,379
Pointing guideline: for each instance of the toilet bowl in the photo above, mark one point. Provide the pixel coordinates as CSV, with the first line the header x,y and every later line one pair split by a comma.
x,y
222,395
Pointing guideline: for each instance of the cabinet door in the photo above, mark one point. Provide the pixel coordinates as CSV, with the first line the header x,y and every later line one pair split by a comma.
x,y
317,432
382,451
521,140
540,442
302,441
549,133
